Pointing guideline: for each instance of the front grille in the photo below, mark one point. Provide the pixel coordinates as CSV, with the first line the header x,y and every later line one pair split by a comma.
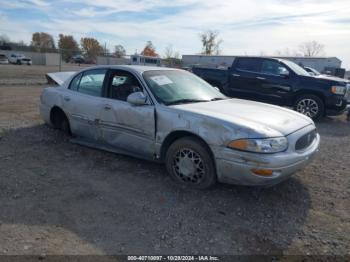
x,y
306,140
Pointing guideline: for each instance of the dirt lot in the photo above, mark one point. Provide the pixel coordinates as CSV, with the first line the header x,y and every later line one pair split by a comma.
x,y
60,198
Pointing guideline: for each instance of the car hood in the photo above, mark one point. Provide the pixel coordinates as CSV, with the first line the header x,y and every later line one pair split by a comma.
x,y
333,78
264,119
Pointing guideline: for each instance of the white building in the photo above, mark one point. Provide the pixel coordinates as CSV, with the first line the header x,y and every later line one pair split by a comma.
x,y
318,63
145,60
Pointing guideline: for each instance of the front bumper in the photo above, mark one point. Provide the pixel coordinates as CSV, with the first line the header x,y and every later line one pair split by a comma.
x,y
235,167
336,105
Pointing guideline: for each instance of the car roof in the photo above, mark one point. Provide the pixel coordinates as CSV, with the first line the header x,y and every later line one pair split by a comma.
x,y
134,68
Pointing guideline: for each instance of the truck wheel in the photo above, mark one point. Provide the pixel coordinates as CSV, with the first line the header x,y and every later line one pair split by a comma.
x,y
189,162
310,105
19,62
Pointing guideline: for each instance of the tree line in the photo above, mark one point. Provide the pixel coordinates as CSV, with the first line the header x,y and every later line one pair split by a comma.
x,y
69,46
91,47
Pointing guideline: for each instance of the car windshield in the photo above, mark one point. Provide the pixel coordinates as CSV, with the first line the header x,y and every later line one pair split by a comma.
x,y
179,87
313,71
296,68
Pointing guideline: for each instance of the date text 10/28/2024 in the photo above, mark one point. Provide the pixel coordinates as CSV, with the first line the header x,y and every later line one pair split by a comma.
x,y
173,258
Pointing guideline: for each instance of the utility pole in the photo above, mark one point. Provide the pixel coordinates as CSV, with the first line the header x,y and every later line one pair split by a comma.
x,y
60,60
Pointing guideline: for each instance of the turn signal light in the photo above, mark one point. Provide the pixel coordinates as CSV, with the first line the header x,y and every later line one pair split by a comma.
x,y
263,172
241,144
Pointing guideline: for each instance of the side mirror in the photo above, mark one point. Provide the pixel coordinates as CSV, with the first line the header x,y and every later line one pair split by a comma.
x,y
284,73
137,99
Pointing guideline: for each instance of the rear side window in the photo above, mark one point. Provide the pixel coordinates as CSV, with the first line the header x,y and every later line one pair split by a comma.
x,y
248,64
75,83
90,82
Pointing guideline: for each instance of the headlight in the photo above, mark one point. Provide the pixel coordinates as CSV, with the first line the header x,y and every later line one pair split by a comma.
x,y
268,145
338,90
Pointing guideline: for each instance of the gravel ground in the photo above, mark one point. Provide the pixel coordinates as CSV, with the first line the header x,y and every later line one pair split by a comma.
x,y
60,198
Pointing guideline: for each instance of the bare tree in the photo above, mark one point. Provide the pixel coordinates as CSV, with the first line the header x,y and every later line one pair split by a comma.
x,y
172,57
169,52
210,42
312,48
119,51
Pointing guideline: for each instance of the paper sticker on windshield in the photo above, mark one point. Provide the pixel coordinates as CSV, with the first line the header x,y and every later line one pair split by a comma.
x,y
161,80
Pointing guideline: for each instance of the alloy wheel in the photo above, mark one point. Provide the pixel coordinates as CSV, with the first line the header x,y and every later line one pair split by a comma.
x,y
308,107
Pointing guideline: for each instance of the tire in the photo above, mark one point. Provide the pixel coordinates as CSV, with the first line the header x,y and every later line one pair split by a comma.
x,y
65,126
19,62
189,162
61,122
310,105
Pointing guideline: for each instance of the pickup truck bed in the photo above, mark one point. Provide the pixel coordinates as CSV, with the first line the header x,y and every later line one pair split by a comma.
x,y
215,77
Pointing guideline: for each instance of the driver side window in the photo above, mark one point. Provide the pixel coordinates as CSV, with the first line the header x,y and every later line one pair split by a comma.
x,y
122,84
273,68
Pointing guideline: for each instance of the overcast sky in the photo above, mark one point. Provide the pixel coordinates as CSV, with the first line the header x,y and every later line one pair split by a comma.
x,y
249,27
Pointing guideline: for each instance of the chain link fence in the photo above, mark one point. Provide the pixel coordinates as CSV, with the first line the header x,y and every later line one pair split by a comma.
x,y
65,59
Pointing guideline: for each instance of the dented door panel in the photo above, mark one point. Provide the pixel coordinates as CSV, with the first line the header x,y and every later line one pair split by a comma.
x,y
128,127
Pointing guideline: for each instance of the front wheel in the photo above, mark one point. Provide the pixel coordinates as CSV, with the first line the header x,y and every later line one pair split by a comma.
x,y
310,105
189,162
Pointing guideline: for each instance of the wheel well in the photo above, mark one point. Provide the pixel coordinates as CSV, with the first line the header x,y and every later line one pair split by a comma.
x,y
56,116
172,137
309,92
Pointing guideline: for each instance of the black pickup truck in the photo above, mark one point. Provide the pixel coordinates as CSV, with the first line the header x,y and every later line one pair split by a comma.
x,y
280,82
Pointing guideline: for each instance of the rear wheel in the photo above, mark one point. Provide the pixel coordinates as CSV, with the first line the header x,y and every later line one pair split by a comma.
x,y
189,162
310,105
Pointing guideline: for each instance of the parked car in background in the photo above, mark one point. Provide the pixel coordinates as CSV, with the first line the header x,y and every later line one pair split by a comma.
x,y
315,73
5,47
19,59
174,117
78,59
3,59
312,71
280,82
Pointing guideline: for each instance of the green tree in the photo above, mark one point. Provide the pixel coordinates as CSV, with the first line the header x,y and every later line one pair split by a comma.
x,y
91,47
42,40
68,46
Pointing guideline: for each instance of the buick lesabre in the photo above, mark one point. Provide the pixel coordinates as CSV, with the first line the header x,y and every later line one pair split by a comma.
x,y
174,117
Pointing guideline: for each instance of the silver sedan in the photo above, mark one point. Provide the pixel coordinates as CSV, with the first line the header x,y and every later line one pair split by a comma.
x,y
174,117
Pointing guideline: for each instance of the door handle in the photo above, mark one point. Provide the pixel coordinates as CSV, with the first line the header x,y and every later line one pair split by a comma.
x,y
107,107
260,78
236,75
66,98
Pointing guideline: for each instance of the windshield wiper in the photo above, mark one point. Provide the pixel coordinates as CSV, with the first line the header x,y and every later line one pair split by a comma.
x,y
185,101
